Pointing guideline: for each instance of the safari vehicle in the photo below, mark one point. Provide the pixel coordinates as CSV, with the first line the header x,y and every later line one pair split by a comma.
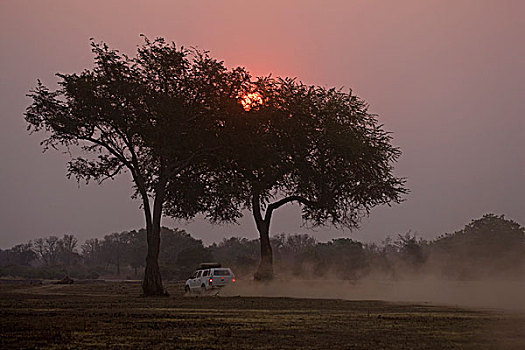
x,y
209,276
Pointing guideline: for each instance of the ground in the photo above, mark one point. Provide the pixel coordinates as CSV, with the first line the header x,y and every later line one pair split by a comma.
x,y
113,315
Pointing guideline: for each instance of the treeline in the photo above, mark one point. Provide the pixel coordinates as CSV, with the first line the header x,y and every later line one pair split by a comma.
x,y
118,255
490,246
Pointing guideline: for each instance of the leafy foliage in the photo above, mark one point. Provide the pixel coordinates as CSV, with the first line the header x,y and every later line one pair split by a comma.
x,y
486,246
136,113
305,144
315,146
156,115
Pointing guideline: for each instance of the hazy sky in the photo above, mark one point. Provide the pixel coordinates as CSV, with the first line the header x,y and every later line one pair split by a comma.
x,y
446,77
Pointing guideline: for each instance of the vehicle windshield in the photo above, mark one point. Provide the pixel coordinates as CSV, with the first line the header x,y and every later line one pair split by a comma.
x,y
221,272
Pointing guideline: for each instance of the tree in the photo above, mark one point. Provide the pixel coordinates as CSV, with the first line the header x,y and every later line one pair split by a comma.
x,y
91,251
180,253
344,257
114,248
488,245
241,254
291,251
137,248
47,249
298,244
20,254
67,251
154,115
410,249
317,147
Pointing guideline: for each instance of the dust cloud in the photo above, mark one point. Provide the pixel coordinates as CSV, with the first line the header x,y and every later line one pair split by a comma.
x,y
480,266
506,295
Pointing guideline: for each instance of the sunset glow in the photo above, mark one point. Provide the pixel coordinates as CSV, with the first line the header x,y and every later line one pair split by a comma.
x,y
251,100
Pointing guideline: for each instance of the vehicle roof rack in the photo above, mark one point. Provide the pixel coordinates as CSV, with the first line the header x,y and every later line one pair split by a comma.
x,y
210,265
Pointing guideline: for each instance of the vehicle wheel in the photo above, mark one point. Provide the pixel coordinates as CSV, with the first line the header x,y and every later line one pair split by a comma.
x,y
203,289
187,290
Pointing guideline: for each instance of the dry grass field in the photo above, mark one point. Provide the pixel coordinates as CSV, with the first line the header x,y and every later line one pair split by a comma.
x,y
113,315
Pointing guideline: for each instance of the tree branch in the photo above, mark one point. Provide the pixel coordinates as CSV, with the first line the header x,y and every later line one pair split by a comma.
x,y
280,203
171,171
111,175
133,167
110,149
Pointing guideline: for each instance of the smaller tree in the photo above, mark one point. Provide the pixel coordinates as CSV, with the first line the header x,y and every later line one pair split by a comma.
x,y
47,250
316,147
241,254
489,245
20,254
136,251
114,249
298,244
343,258
411,250
91,251
67,250
181,253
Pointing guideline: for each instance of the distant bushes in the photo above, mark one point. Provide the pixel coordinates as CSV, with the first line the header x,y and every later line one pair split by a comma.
x,y
118,255
489,246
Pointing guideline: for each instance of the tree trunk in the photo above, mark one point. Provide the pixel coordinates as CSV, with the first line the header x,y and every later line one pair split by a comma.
x,y
265,270
152,283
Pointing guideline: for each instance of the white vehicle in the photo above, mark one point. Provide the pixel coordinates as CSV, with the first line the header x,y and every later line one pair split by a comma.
x,y
209,276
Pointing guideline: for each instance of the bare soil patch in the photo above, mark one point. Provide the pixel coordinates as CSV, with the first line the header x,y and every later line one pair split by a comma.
x,y
112,315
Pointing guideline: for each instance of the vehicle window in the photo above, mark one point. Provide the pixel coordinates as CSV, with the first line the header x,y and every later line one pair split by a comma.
x,y
195,274
199,274
206,273
221,272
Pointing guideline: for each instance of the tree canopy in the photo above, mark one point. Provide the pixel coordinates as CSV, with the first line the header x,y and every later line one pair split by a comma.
x,y
155,115
491,245
314,146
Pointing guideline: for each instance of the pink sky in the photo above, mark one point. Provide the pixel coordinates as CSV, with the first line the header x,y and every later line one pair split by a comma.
x,y
446,77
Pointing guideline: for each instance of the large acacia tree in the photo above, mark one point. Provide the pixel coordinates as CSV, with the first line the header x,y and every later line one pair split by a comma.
x,y
155,115
317,147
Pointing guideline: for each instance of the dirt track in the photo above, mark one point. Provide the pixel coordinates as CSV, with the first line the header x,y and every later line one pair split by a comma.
x,y
111,315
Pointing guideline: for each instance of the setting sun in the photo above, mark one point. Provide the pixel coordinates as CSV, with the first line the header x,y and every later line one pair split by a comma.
x,y
250,100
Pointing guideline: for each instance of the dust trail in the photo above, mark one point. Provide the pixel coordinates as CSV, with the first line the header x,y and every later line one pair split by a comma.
x,y
498,294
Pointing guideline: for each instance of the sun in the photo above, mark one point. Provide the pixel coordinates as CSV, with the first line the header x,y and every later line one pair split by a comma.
x,y
251,100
